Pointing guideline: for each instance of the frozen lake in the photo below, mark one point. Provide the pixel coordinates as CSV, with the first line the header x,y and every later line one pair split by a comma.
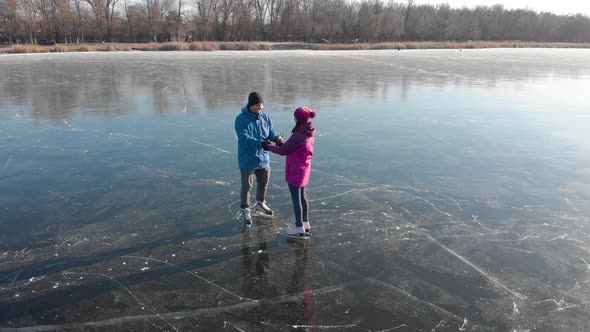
x,y
450,191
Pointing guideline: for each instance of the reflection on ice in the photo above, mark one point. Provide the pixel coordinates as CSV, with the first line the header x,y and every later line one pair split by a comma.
x,y
335,266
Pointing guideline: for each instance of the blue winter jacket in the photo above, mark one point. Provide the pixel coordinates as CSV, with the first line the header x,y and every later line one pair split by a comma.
x,y
253,129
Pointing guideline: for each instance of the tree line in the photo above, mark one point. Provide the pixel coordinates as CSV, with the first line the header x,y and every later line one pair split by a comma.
x,y
327,21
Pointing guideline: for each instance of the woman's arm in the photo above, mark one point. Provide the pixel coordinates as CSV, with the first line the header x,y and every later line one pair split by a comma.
x,y
290,145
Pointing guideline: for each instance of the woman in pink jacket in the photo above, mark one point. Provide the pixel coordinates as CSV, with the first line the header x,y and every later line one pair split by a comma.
x,y
299,152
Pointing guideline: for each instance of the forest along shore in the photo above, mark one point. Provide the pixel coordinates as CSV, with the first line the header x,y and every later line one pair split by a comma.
x,y
269,46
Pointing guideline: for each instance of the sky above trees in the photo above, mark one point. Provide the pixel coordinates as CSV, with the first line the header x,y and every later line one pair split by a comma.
x,y
554,6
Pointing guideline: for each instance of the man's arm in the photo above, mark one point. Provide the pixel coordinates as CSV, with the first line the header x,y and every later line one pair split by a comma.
x,y
272,135
244,136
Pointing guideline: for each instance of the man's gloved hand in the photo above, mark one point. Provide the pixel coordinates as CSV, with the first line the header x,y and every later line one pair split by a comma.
x,y
265,145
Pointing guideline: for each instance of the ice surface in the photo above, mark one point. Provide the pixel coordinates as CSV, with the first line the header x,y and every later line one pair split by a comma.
x,y
450,192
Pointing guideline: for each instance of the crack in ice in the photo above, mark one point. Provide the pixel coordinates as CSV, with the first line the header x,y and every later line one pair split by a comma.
x,y
129,291
7,162
194,274
211,146
475,267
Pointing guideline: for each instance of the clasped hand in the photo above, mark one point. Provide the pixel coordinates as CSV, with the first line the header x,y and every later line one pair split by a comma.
x,y
279,140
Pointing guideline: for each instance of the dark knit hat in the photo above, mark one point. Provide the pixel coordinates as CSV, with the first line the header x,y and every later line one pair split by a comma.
x,y
254,98
303,114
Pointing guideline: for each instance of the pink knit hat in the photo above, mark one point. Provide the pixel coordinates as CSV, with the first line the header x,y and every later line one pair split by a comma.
x,y
303,114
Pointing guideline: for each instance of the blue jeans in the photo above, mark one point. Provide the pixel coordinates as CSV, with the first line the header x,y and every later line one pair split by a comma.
x,y
299,205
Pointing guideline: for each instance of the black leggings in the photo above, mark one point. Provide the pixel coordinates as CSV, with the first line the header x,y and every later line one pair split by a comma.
x,y
299,205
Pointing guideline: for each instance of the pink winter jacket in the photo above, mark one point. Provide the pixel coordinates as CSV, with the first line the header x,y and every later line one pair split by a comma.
x,y
299,151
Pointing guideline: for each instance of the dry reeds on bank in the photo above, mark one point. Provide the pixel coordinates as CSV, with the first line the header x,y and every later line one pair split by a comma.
x,y
108,48
29,48
60,49
267,46
203,46
244,46
147,47
427,45
181,46
174,46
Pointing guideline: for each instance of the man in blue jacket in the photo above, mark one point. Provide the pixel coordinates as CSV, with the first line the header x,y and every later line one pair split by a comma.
x,y
253,128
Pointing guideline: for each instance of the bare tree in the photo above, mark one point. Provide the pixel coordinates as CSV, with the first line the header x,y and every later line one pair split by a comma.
x,y
260,13
98,9
110,14
441,22
205,16
393,25
224,14
178,19
28,17
331,10
104,13
302,20
409,9
78,14
364,32
349,21
155,11
47,9
130,20
287,16
8,19
64,20
424,25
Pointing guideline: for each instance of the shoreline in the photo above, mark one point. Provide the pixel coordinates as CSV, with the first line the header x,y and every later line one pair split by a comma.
x,y
270,46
